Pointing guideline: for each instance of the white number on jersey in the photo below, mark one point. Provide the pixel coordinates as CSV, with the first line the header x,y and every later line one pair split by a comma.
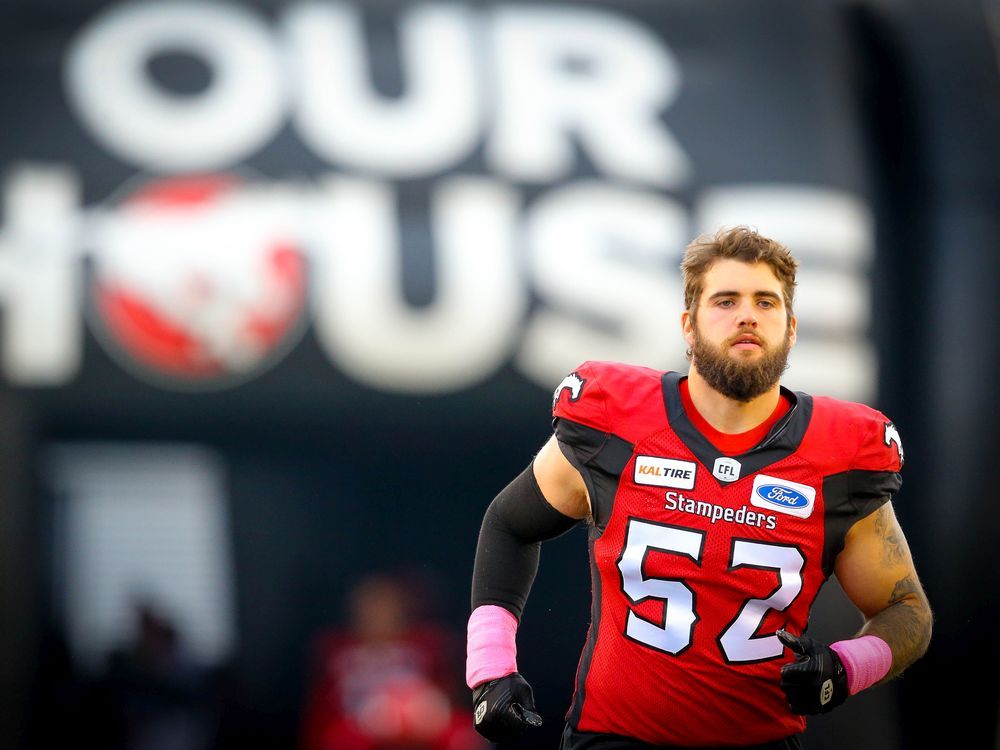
x,y
675,632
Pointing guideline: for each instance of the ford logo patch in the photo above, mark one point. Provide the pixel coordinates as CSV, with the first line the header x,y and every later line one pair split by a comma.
x,y
784,497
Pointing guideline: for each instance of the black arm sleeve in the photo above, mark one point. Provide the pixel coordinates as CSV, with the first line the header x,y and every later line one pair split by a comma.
x,y
518,520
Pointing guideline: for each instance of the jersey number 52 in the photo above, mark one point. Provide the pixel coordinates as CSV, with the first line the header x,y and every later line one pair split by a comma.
x,y
675,632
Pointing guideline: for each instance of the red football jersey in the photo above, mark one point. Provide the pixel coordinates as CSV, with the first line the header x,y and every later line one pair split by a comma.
x,y
697,558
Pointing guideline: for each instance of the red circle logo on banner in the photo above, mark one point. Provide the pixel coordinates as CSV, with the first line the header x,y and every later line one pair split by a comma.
x,y
195,284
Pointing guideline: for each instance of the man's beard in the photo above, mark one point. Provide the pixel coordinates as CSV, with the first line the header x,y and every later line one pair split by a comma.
x,y
739,380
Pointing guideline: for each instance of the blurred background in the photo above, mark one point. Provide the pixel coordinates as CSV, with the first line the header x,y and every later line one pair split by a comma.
x,y
285,289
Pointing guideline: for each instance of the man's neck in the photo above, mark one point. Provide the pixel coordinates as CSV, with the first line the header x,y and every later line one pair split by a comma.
x,y
726,414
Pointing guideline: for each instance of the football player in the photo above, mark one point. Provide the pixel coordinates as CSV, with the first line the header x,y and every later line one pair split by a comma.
x,y
718,503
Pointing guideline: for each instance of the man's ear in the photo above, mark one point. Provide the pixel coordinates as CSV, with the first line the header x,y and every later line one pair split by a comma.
x,y
687,327
793,325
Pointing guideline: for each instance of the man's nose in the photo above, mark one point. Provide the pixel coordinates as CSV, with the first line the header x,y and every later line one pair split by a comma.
x,y
747,315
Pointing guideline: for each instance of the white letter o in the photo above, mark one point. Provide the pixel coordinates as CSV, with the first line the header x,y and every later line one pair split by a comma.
x,y
236,114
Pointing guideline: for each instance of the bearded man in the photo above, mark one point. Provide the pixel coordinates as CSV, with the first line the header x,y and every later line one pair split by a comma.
x,y
718,503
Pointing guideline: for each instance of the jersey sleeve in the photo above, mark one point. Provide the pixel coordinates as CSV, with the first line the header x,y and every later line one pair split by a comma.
x,y
875,473
582,422
871,479
580,398
580,416
883,448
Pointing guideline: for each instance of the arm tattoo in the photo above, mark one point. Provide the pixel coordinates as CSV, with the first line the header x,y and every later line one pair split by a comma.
x,y
894,548
905,624
904,588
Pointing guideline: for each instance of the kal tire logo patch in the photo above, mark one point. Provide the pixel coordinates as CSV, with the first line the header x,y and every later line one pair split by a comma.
x,y
664,472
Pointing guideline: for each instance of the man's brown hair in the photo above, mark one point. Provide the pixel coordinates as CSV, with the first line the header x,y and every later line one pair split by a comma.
x,y
739,243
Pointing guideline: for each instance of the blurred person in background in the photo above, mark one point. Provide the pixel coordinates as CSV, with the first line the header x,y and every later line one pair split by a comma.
x,y
153,694
390,679
718,504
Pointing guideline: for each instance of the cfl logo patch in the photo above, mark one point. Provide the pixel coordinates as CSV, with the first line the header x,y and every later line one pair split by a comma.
x,y
480,712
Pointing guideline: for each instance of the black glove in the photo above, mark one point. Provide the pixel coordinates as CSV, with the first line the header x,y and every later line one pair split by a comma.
x,y
504,707
816,682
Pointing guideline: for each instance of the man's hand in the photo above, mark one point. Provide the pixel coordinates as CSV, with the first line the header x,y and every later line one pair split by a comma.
x,y
816,682
504,708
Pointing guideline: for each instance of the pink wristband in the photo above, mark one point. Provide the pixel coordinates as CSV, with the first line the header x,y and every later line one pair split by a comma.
x,y
866,660
491,651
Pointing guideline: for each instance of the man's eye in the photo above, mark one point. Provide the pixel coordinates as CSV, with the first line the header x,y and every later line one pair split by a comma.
x,y
766,304
725,303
